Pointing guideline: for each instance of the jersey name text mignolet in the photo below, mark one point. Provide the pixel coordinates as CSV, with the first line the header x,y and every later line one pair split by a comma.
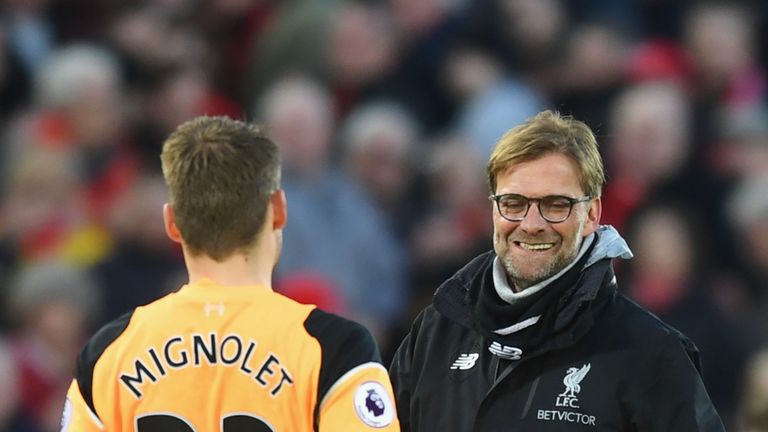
x,y
257,357
179,352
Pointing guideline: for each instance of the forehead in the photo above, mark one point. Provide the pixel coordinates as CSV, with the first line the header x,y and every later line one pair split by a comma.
x,y
552,174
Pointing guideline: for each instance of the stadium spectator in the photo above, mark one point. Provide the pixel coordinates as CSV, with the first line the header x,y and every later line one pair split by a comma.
x,y
54,305
329,210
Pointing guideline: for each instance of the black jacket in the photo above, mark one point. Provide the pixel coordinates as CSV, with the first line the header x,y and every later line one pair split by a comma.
x,y
596,362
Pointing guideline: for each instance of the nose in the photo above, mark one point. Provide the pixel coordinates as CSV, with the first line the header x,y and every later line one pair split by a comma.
x,y
533,222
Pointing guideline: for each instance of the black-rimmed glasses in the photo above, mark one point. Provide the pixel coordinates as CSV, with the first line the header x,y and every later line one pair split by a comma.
x,y
553,208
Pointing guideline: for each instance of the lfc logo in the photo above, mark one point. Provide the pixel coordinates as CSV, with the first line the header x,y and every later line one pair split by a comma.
x,y
572,382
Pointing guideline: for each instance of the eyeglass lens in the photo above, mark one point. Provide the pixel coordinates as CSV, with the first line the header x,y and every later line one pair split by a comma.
x,y
552,208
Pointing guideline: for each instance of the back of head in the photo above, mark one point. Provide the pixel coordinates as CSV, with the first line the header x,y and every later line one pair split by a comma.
x,y
546,133
220,174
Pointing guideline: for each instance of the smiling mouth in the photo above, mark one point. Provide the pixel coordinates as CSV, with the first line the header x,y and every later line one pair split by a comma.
x,y
535,246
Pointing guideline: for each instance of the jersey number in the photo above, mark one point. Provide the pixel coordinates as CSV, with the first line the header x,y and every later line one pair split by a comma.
x,y
170,423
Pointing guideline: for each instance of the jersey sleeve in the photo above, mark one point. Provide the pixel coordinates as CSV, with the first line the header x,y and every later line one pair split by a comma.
x,y
354,391
80,407
77,415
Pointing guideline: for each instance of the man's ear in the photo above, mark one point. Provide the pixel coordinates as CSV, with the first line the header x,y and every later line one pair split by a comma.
x,y
279,209
593,216
169,219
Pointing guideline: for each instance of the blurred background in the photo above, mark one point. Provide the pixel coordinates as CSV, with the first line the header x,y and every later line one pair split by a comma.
x,y
386,112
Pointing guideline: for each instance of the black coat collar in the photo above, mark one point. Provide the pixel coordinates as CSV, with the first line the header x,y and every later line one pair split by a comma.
x,y
568,312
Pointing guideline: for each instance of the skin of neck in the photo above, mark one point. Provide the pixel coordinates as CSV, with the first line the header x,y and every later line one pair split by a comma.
x,y
249,266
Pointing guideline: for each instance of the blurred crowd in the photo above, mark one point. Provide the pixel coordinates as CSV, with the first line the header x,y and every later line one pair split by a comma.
x,y
386,112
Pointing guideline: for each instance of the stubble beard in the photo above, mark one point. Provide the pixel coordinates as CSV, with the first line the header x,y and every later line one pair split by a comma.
x,y
558,262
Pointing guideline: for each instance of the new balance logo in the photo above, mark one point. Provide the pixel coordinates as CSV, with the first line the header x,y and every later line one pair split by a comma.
x,y
505,352
465,361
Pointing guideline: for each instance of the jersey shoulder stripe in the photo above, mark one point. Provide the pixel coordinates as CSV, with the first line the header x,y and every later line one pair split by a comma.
x,y
348,375
91,353
344,345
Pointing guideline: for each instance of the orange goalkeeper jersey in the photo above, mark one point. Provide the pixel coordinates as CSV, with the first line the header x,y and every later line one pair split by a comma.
x,y
213,358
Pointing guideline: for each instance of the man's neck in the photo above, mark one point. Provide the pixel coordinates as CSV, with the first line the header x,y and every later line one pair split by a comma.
x,y
237,270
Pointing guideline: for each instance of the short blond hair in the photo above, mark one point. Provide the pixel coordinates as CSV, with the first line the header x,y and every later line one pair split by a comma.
x,y
220,174
549,132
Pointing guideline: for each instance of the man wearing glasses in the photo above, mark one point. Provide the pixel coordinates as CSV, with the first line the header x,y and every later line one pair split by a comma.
x,y
534,336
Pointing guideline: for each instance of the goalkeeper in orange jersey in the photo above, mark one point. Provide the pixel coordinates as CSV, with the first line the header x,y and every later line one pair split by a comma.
x,y
225,352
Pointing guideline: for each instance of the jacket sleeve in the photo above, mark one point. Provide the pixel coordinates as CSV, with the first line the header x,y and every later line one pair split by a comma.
x,y
674,397
400,372
77,415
